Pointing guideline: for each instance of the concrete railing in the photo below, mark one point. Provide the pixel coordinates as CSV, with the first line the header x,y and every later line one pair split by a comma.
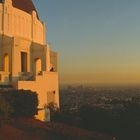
x,y
26,76
4,77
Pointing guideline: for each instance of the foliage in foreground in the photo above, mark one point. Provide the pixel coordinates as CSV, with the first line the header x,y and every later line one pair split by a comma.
x,y
121,119
18,103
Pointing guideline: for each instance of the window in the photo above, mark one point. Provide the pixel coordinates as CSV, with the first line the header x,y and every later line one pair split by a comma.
x,y
23,62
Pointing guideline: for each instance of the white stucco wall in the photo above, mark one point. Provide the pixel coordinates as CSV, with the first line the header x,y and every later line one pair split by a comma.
x,y
15,22
44,84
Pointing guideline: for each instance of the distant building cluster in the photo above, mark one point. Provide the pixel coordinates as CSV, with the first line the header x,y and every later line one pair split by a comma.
x,y
75,97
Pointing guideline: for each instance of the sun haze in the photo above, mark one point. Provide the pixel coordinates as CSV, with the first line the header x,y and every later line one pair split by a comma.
x,y
98,41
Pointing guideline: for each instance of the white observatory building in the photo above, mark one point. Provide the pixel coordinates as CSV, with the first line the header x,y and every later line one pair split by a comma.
x,y
26,61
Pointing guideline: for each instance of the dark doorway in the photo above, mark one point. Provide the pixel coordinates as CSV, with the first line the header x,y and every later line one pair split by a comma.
x,y
23,62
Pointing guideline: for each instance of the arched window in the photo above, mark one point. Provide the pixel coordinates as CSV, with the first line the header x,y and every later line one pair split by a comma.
x,y
38,66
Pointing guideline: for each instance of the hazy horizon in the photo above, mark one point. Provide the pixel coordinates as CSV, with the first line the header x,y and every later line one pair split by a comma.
x,y
98,41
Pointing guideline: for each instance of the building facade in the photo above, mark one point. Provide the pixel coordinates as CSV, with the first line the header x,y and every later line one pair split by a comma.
x,y
26,60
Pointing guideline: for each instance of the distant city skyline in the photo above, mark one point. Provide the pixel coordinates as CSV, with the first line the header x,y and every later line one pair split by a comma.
x,y
98,40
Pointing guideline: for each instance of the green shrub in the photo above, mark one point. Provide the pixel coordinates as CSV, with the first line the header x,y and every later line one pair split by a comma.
x,y
18,103
5,108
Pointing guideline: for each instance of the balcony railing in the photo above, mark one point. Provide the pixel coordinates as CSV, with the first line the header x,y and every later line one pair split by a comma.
x,y
26,76
4,77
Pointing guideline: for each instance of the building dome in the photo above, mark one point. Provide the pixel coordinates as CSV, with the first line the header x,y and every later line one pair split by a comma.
x,y
25,5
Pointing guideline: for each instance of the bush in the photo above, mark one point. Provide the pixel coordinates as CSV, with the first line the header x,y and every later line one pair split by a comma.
x,y
5,108
18,103
122,121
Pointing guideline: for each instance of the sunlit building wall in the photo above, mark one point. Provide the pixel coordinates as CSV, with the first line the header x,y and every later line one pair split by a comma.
x,y
26,61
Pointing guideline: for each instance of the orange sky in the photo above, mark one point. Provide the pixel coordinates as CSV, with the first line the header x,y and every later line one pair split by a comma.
x,y
98,41
104,77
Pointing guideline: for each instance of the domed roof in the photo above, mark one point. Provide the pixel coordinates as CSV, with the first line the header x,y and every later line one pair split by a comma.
x,y
25,5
